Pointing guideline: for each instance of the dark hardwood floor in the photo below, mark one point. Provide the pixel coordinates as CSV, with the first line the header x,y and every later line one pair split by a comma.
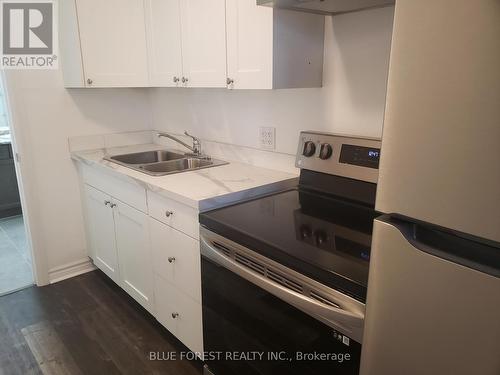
x,y
84,325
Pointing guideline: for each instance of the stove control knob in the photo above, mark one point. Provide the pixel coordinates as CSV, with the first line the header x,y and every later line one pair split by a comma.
x,y
305,232
321,237
326,151
309,149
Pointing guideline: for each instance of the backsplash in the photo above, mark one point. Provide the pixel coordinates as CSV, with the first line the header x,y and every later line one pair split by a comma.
x,y
98,141
259,158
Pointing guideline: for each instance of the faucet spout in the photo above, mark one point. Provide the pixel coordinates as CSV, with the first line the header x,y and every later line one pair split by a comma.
x,y
195,148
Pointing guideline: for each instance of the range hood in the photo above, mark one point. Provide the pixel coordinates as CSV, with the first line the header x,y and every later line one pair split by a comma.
x,y
327,7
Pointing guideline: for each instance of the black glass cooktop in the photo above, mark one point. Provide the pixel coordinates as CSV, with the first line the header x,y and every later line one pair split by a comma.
x,y
322,237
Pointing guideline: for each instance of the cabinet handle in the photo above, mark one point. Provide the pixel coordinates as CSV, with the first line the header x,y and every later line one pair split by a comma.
x,y
112,205
175,315
89,81
171,259
229,81
106,203
169,213
184,79
176,79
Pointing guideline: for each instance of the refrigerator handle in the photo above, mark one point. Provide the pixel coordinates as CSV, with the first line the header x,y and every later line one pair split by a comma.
x,y
456,247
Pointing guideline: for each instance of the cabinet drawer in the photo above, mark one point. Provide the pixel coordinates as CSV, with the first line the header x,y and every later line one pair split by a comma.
x,y
180,314
176,258
128,192
175,214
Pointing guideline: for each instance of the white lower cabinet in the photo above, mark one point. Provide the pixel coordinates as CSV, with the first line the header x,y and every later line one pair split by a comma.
x,y
101,232
153,256
119,244
180,314
134,253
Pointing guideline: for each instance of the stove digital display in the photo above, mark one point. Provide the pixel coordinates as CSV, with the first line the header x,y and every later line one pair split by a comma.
x,y
360,156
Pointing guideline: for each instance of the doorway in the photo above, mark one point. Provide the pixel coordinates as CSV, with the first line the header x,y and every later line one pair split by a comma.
x,y
15,256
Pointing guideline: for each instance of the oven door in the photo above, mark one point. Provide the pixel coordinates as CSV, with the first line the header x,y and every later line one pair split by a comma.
x,y
261,318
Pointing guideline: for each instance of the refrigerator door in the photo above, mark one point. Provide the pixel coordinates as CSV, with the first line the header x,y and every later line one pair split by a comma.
x,y
426,313
441,141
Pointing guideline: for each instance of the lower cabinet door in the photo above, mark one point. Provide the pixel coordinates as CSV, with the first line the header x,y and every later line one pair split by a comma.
x,y
180,314
101,232
134,253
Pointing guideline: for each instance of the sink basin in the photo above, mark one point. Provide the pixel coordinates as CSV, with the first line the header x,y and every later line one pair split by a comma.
x,y
176,165
146,157
162,162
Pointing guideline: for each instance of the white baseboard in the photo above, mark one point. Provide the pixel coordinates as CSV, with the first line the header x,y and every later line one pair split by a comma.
x,y
70,270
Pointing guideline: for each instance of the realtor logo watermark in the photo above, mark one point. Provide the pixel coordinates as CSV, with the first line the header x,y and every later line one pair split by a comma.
x,y
29,34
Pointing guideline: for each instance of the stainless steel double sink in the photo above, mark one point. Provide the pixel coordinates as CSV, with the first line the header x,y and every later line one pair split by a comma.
x,y
163,162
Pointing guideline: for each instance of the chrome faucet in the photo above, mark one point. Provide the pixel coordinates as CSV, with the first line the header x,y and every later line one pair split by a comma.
x,y
195,148
196,144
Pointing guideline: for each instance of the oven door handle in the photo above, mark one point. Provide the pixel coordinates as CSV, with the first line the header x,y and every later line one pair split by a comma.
x,y
349,322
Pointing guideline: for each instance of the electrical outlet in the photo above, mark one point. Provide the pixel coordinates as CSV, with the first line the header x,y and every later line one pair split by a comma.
x,y
267,138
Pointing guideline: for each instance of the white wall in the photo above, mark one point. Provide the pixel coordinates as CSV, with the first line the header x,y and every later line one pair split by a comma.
x,y
352,100
45,115
356,68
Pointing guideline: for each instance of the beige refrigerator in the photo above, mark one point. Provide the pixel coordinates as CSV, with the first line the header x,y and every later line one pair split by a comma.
x,y
433,304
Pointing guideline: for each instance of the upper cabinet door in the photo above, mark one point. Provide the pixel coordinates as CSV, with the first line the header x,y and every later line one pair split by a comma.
x,y
113,42
273,48
163,28
249,32
101,231
204,42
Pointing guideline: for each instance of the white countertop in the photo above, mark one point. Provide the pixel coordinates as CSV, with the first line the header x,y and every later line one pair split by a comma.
x,y
5,136
202,189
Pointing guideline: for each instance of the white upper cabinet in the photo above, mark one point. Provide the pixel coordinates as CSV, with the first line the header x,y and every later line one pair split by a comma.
x,y
163,28
272,48
189,43
249,44
203,26
112,40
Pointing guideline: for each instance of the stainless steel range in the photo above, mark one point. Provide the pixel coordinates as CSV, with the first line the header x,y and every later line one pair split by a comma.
x,y
285,276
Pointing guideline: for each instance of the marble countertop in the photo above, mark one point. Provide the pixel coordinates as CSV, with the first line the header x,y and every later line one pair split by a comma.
x,y
202,189
4,137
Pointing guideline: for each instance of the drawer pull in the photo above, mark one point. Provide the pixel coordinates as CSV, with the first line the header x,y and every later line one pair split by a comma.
x,y
171,259
175,315
169,213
